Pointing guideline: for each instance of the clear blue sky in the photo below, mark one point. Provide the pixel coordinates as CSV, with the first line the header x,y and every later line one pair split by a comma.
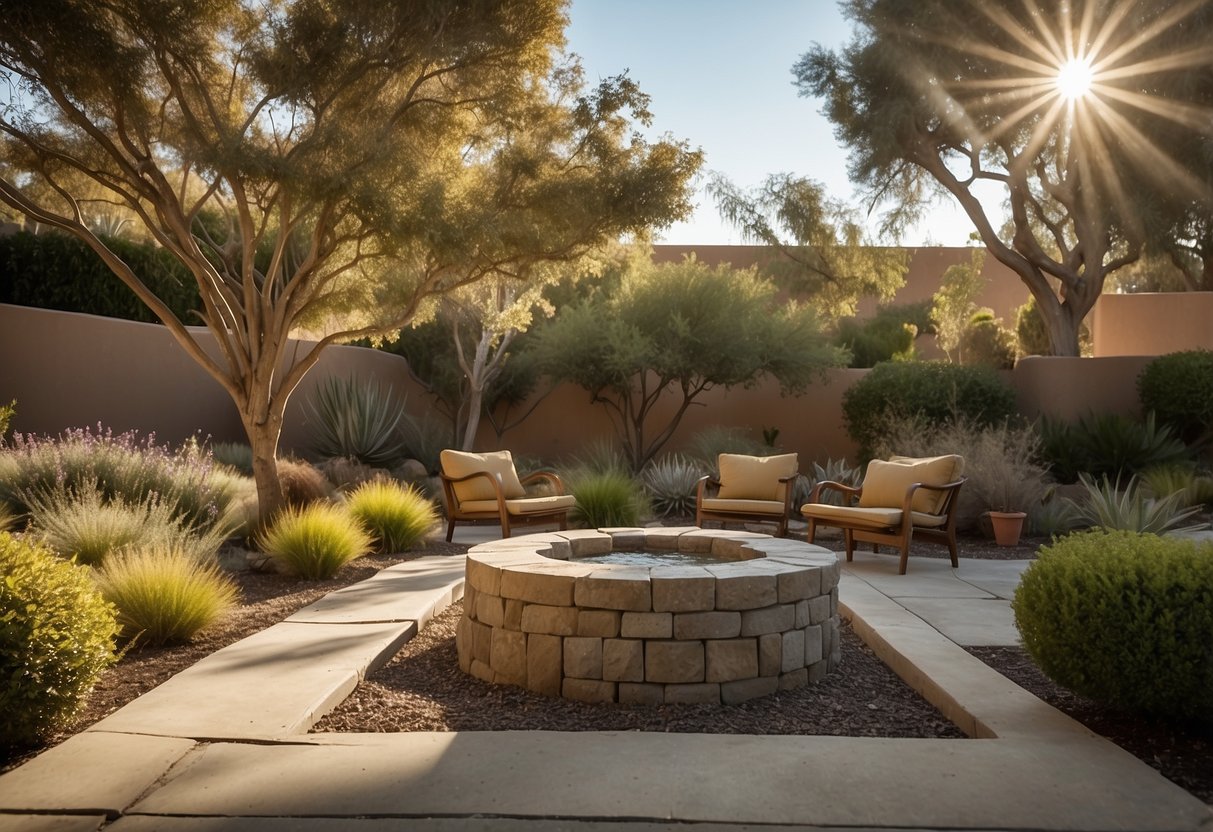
x,y
719,75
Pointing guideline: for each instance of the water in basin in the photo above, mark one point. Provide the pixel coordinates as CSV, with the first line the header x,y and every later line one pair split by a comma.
x,y
656,558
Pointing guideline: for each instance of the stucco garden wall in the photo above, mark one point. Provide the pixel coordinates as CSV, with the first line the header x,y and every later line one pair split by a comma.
x,y
69,370
1152,323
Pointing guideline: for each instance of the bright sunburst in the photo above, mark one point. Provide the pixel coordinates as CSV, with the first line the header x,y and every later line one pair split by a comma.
x,y
1074,78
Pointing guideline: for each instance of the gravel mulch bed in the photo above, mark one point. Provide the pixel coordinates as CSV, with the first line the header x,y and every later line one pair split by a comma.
x,y
423,689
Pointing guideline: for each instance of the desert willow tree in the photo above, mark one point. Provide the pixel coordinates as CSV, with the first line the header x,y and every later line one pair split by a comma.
x,y
1047,106
362,157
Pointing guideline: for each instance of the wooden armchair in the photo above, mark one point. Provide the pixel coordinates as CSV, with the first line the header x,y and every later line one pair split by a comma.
x,y
750,489
486,488
900,500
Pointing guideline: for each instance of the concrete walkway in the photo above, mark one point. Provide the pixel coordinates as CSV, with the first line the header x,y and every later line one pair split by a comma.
x,y
223,745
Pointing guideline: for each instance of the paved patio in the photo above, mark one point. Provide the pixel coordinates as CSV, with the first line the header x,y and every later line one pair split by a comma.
x,y
223,745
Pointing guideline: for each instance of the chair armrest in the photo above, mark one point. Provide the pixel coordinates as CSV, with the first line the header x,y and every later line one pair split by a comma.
x,y
789,483
705,482
829,485
545,476
448,482
949,488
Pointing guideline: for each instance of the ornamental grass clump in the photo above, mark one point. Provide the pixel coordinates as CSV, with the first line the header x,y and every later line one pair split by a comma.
x,y
607,499
56,636
398,517
1123,618
164,595
314,541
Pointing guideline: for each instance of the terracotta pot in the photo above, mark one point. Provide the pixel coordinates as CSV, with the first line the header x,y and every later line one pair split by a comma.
x,y
1007,526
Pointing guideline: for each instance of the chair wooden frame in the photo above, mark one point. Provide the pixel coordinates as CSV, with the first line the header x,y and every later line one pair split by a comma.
x,y
508,521
899,535
723,517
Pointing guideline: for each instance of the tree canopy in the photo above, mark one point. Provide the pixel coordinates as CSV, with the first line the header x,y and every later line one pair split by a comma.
x,y
947,97
318,164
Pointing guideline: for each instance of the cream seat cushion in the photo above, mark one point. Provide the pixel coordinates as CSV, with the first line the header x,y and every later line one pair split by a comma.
x,y
869,518
774,507
885,484
500,464
527,505
754,477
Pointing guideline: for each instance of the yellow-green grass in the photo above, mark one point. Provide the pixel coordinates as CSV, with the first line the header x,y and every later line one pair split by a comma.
x,y
315,541
397,516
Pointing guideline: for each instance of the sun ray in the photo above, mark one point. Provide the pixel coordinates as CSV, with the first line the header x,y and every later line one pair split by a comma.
x,y
1162,167
1186,115
1145,35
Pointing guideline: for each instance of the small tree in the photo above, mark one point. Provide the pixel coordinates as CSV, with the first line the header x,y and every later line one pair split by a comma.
x,y
954,304
672,332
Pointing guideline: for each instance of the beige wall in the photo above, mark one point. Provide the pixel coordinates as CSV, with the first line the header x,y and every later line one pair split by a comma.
x,y
68,370
1152,323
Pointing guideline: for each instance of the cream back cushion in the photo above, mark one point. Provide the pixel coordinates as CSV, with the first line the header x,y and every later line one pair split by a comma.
x,y
885,484
754,477
500,464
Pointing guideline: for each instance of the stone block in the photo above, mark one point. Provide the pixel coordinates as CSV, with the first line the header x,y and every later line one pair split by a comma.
x,y
622,660
483,577
819,609
513,614
818,671
741,690
469,597
683,589
698,694
588,690
740,591
673,661
621,589
731,659
835,653
794,679
770,654
481,670
801,619
798,584
509,657
482,642
793,650
834,601
830,575
558,550
463,643
627,540
583,657
544,655
585,542
813,648
647,625
639,693
490,609
556,621
768,620
665,538
598,623
697,542
535,586
700,625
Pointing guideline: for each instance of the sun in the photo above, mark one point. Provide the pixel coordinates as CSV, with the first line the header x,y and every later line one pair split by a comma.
x,y
1074,78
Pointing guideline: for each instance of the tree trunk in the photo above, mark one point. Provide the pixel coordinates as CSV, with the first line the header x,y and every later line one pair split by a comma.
x,y
263,438
1063,328
475,402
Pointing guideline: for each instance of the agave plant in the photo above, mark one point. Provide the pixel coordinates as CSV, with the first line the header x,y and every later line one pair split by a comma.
x,y
671,482
358,420
835,470
1110,507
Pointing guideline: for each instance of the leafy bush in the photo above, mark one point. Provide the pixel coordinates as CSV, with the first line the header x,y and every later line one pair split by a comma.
x,y
123,466
302,483
985,343
164,595
235,455
1123,618
56,636
606,499
1177,478
314,541
356,419
397,517
888,335
935,391
1054,515
84,524
1179,389
1129,509
7,412
424,440
671,482
1106,444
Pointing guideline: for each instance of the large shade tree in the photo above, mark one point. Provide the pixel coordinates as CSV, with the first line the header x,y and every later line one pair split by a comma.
x,y
311,162
1050,104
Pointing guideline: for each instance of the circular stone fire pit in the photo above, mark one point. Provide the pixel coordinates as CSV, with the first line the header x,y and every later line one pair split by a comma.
x,y
755,614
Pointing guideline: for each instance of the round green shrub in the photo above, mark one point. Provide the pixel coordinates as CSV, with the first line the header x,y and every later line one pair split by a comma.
x,y
1179,389
314,541
56,636
986,344
1124,618
397,517
937,392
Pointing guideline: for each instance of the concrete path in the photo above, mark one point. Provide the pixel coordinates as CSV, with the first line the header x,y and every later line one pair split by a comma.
x,y
222,746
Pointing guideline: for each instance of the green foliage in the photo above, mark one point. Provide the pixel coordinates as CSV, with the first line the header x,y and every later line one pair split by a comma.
x,y
122,466
887,336
985,343
671,482
57,271
84,524
934,391
1123,618
607,499
424,440
952,307
1193,488
56,636
7,412
680,329
600,456
235,455
356,419
1107,444
707,445
397,517
1054,515
164,595
314,541
8,517
1032,333
1108,506
1178,388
